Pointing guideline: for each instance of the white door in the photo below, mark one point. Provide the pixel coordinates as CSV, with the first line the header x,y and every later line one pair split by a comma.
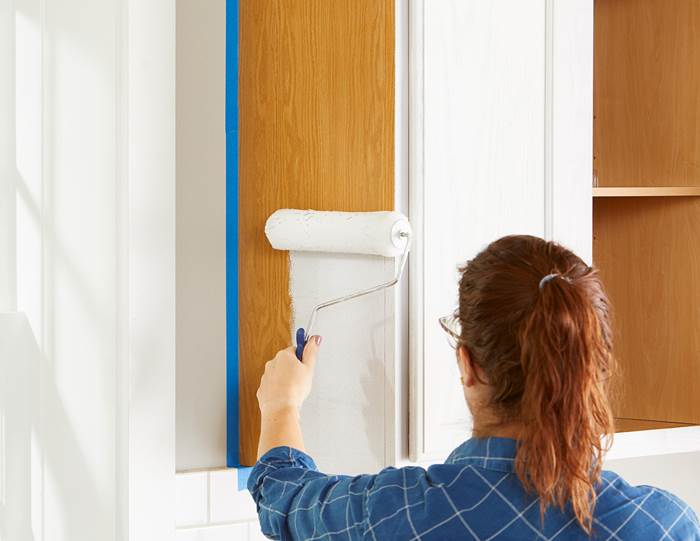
x,y
500,122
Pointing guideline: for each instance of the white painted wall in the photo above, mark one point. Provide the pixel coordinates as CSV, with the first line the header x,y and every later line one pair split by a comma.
x,y
87,177
201,235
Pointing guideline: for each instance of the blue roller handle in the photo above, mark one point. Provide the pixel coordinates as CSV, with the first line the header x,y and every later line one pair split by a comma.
x,y
301,342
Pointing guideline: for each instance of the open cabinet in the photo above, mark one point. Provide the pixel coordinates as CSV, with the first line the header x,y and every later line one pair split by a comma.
x,y
646,203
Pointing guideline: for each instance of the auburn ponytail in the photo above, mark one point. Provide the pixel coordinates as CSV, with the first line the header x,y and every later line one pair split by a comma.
x,y
536,320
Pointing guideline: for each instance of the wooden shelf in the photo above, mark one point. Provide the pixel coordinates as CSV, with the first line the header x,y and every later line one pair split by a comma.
x,y
655,191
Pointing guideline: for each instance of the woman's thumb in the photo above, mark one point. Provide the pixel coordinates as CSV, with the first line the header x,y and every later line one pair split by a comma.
x,y
310,350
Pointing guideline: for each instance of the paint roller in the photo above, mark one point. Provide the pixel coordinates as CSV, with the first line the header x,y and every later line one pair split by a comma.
x,y
383,233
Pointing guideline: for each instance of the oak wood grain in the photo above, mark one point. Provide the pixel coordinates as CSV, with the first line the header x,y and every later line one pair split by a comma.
x,y
647,93
316,106
648,252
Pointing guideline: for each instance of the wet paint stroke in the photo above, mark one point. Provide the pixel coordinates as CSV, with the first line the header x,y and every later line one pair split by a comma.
x,y
343,419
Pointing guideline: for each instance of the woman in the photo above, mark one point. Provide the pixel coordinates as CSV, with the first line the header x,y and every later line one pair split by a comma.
x,y
533,344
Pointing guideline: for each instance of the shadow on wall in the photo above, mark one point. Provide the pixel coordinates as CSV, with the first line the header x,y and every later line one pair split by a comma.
x,y
49,492
19,419
58,424
27,469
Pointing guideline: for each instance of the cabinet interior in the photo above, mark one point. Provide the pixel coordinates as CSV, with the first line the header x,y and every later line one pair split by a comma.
x,y
646,203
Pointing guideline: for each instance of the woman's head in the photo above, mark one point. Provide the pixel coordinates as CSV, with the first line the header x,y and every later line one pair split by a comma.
x,y
535,353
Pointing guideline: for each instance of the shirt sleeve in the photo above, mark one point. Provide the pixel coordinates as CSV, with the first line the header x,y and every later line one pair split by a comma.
x,y
296,501
684,522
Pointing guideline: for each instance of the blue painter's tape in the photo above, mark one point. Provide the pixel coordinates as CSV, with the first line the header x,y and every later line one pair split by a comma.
x,y
243,475
232,411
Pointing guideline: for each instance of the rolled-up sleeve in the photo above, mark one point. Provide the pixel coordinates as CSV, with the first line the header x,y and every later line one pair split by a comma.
x,y
296,501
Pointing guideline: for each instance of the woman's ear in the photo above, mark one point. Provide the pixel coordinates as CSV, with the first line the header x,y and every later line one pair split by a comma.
x,y
466,367
470,372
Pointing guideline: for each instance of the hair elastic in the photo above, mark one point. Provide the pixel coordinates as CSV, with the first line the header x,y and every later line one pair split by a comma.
x,y
549,277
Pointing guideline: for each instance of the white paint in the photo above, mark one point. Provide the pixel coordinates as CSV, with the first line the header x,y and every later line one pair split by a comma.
x,y
482,173
345,425
374,233
91,173
201,235
492,153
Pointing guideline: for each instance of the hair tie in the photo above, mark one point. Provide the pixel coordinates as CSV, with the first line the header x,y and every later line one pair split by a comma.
x,y
547,278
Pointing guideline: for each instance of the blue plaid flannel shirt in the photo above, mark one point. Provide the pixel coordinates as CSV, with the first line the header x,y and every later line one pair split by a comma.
x,y
474,495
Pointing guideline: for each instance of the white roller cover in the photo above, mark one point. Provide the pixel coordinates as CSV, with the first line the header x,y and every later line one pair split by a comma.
x,y
374,233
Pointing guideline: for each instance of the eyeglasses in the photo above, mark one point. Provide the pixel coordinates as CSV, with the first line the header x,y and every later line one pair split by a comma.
x,y
450,324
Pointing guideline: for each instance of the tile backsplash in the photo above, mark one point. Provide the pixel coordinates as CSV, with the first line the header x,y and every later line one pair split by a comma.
x,y
211,508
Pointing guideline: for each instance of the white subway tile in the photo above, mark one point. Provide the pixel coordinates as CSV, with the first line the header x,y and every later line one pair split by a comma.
x,y
191,498
232,532
227,503
254,532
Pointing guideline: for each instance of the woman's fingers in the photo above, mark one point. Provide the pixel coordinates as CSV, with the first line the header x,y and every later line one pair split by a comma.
x,y
287,382
310,351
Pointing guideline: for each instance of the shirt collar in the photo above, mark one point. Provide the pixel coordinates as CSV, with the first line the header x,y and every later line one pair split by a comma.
x,y
490,453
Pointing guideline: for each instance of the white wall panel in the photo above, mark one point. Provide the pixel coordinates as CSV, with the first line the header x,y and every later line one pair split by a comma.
x,y
87,165
8,287
19,425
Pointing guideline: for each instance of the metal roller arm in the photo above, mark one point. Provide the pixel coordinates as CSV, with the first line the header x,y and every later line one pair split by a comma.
x,y
363,292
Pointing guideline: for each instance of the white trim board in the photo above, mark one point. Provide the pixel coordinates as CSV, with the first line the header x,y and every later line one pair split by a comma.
x,y
396,382
416,262
148,398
